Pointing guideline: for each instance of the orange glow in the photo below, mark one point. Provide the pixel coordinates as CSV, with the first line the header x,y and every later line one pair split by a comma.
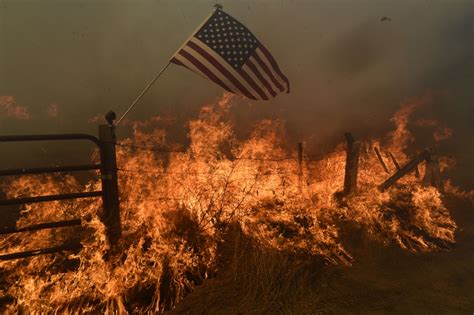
x,y
177,204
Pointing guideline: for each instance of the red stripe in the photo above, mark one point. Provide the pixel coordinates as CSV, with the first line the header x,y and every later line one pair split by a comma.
x,y
221,68
257,73
252,83
268,72
275,65
204,69
177,62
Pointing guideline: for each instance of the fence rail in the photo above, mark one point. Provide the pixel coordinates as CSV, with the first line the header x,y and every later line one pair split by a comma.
x,y
109,192
41,226
53,169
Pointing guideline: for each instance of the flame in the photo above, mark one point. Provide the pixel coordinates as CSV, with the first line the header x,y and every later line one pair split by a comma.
x,y
176,205
9,109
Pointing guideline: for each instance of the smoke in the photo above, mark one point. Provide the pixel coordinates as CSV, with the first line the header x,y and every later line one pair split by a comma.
x,y
348,69
53,110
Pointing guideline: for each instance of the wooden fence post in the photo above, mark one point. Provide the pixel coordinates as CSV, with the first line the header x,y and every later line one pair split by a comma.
x,y
394,161
352,165
110,198
379,157
409,167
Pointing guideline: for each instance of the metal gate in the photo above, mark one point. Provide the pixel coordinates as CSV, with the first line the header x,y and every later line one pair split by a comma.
x,y
109,192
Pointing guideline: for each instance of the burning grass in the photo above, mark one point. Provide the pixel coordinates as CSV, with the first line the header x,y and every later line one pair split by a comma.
x,y
177,206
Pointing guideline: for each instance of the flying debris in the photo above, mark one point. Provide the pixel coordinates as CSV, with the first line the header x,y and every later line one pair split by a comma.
x,y
383,19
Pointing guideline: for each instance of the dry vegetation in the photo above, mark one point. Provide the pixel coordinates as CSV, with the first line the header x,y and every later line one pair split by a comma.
x,y
240,214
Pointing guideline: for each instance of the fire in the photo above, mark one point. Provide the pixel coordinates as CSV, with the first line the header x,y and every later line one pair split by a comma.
x,y
177,204
8,108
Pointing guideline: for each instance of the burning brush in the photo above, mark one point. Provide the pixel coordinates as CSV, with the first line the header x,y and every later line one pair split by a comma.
x,y
178,205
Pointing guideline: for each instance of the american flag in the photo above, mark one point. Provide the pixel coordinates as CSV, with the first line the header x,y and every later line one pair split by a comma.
x,y
226,52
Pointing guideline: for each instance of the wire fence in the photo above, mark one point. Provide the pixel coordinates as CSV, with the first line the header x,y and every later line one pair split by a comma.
x,y
313,157
216,173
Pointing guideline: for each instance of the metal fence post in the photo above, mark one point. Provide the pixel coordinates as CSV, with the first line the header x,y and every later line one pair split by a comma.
x,y
110,198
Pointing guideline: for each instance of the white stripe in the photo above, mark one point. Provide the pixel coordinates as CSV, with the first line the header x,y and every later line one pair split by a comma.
x,y
264,74
270,67
212,69
257,81
228,67
189,64
194,32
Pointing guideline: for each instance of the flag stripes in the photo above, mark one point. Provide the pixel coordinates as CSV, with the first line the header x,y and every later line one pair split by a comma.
x,y
226,52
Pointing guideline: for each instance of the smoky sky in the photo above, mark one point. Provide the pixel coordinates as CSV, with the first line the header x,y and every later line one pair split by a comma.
x,y
68,61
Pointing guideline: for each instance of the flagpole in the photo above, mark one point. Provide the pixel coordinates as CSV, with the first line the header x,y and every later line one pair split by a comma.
x,y
216,7
143,93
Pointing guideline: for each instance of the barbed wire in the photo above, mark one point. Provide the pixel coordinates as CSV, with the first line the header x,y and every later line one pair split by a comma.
x,y
323,156
313,157
146,172
151,149
151,199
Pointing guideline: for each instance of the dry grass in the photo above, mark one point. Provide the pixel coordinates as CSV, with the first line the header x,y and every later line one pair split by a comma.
x,y
383,279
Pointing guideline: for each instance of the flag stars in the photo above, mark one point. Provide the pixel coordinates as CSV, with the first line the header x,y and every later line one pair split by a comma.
x,y
228,38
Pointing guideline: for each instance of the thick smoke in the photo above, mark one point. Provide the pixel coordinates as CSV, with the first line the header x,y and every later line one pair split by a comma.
x,y
65,62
